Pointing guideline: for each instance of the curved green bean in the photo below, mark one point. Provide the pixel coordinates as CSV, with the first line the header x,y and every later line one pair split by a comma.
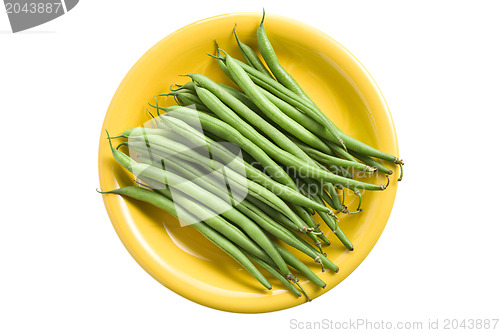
x,y
251,57
167,205
299,265
267,51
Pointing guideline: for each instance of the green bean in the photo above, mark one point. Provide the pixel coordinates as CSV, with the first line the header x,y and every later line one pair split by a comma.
x,y
142,130
188,86
201,195
245,57
190,100
318,256
328,193
400,178
188,94
343,238
168,108
332,223
251,57
271,226
330,220
219,60
372,162
338,171
331,160
284,234
333,196
296,114
167,205
362,148
274,113
340,152
180,91
274,272
285,221
238,94
313,225
332,200
267,51
241,97
273,213
299,265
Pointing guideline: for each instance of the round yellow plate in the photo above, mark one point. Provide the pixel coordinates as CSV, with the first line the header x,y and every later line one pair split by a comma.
x,y
181,259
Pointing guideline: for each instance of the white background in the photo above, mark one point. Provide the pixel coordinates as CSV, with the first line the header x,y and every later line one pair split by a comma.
x,y
63,268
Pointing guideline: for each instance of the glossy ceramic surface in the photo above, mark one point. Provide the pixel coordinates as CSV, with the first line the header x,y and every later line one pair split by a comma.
x,y
181,259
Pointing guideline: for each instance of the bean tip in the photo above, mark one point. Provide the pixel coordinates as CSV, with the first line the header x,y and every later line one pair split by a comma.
x,y
235,34
384,186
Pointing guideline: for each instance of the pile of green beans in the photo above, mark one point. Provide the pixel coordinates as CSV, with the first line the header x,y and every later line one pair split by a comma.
x,y
290,162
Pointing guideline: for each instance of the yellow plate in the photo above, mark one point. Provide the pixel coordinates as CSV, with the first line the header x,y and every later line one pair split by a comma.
x,y
181,259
